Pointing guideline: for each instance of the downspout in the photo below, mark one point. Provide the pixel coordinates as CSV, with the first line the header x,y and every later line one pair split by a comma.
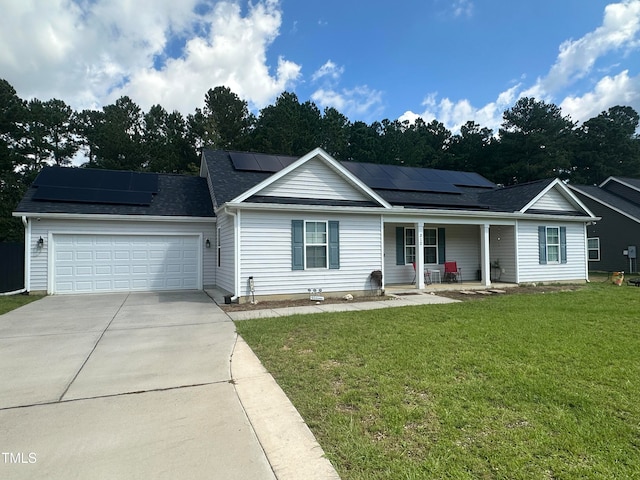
x,y
236,253
27,241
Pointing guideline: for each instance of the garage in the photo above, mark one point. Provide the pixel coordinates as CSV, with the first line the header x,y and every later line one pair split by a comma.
x,y
99,263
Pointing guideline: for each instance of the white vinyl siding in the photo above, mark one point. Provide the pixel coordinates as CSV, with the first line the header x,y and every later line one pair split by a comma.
x,y
502,241
553,201
225,276
47,228
266,254
529,267
314,179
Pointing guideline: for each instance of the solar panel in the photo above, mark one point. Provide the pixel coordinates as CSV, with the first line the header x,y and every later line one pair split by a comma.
x,y
268,163
260,162
92,195
244,161
98,179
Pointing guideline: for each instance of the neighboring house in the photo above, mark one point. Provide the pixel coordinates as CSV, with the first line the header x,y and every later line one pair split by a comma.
x,y
285,225
613,240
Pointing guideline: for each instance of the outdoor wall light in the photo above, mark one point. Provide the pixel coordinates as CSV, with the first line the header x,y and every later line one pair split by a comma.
x,y
207,243
40,242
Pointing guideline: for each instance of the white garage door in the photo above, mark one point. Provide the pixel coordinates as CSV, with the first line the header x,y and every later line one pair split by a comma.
x,y
114,263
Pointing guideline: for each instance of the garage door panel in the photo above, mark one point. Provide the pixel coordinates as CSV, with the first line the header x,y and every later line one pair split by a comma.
x,y
106,263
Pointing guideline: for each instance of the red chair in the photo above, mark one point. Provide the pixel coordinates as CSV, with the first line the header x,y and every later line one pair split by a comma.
x,y
451,272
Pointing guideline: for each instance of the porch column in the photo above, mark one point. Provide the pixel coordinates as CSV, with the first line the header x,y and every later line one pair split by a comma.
x,y
419,255
484,255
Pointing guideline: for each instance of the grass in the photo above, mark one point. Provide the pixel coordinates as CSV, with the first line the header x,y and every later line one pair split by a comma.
x,y
11,302
532,386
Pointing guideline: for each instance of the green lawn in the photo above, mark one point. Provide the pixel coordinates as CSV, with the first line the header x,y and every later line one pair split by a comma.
x,y
535,386
11,302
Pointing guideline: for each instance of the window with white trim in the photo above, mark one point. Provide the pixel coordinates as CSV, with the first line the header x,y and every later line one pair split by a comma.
x,y
553,245
593,248
315,239
409,245
430,245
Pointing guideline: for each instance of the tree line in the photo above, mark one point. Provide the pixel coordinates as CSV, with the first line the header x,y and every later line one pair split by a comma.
x,y
534,141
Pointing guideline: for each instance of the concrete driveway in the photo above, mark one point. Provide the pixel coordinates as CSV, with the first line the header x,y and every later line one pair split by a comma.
x,y
122,386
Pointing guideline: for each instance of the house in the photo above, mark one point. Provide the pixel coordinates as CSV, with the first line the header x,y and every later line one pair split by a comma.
x,y
613,241
270,226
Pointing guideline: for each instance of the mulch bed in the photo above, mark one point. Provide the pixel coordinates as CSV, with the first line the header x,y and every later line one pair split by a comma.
x,y
454,294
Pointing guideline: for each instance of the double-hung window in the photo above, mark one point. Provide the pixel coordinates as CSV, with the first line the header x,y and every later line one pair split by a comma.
x,y
430,246
409,245
553,244
593,246
316,244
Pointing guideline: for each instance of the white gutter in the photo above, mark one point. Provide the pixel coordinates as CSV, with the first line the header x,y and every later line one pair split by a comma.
x,y
27,259
94,216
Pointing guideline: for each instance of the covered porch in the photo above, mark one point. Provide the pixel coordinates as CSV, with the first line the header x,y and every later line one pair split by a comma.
x,y
415,253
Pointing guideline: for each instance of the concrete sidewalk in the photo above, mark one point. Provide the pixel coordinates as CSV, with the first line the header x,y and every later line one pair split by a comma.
x,y
406,300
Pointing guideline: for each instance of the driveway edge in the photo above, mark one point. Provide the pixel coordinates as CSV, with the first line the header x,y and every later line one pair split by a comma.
x,y
290,447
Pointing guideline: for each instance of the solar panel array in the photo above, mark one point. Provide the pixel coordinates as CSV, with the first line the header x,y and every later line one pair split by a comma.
x,y
395,177
87,185
258,162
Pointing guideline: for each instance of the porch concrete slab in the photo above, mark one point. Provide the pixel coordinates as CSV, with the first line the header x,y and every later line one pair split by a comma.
x,y
133,360
196,433
292,449
39,368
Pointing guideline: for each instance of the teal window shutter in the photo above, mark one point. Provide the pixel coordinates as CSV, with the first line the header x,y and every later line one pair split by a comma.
x,y
442,253
334,244
563,244
399,245
297,245
542,245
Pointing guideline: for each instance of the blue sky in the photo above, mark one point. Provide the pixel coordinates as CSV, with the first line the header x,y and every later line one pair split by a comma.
x,y
450,60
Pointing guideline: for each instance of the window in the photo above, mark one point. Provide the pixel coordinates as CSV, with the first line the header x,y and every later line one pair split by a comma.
x,y
409,245
553,245
316,244
593,247
218,251
430,245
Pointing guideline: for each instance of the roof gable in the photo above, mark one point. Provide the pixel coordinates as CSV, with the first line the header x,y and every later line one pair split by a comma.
x,y
556,197
315,176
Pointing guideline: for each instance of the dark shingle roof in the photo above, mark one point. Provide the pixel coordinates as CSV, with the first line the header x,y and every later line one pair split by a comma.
x,y
515,197
228,183
178,195
602,196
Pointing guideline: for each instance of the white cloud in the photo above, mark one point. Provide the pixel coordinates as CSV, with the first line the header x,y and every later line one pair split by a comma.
x,y
576,60
609,91
90,52
329,71
462,8
359,103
